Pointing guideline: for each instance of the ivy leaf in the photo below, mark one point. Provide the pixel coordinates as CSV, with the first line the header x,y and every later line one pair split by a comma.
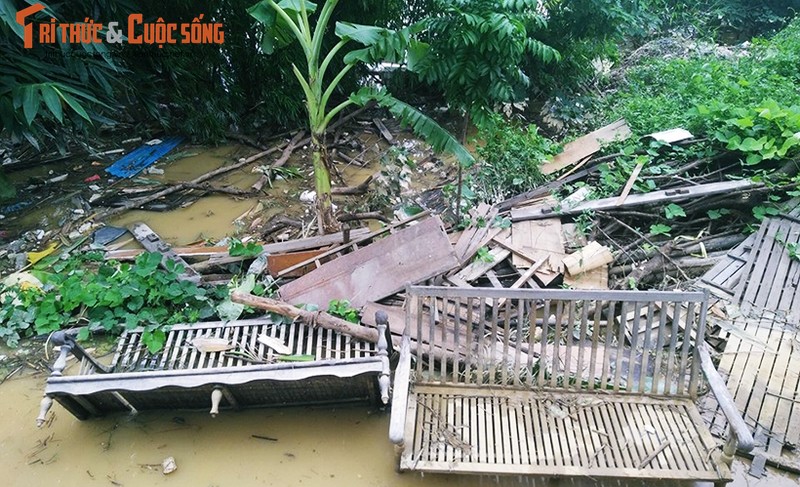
x,y
659,229
717,214
673,211
154,339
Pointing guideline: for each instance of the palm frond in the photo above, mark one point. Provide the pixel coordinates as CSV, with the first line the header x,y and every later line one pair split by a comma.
x,y
440,139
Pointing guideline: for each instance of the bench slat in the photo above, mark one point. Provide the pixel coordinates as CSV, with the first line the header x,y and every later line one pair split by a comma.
x,y
473,429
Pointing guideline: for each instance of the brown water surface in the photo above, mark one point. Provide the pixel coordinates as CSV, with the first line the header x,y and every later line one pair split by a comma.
x,y
325,446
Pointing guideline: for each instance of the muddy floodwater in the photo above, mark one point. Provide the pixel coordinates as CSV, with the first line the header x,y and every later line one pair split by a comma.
x,y
323,446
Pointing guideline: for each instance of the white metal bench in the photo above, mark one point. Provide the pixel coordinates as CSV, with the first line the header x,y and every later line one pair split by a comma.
x,y
558,383
336,368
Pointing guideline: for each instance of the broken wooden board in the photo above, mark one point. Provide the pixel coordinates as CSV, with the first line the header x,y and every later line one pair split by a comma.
x,y
593,279
590,257
278,262
587,145
545,271
480,267
353,244
409,256
383,130
771,277
724,277
541,239
761,366
631,181
273,248
669,195
153,243
478,234
671,136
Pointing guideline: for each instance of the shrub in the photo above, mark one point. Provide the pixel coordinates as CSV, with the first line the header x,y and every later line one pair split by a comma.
x,y
109,295
510,159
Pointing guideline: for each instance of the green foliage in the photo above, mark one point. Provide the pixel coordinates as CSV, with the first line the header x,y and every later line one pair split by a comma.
x,y
342,309
720,19
672,211
290,21
422,125
660,229
475,50
53,93
239,249
660,93
764,132
583,31
108,295
717,214
483,255
511,159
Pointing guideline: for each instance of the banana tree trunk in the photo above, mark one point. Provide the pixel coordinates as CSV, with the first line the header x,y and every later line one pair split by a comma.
x,y
322,178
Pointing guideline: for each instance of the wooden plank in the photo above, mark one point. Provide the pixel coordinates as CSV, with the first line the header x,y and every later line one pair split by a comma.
x,y
539,239
279,247
779,396
594,279
634,200
279,262
587,145
478,234
629,185
590,257
353,244
383,130
480,267
153,243
378,270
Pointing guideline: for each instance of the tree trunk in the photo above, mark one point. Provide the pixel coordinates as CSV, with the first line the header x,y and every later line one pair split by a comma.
x,y
322,178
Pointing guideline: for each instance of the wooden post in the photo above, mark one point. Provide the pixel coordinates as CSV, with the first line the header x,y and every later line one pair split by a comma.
x,y
216,397
44,407
314,318
382,321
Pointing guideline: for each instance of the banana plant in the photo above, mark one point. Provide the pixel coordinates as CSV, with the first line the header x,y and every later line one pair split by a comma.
x,y
289,21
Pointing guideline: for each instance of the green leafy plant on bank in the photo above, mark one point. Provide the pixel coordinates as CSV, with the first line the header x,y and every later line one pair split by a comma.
x,y
762,132
239,249
87,291
659,92
510,160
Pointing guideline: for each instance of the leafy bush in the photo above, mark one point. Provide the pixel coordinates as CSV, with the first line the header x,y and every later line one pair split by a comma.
x,y
511,159
719,19
109,295
659,93
476,49
767,131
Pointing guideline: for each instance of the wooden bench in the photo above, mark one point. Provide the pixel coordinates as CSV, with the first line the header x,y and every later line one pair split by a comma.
x,y
558,383
336,368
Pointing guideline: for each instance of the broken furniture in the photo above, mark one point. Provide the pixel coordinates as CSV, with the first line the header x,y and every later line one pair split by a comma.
x,y
759,286
234,365
545,384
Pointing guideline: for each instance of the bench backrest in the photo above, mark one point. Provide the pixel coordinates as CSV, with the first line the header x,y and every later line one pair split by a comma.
x,y
621,341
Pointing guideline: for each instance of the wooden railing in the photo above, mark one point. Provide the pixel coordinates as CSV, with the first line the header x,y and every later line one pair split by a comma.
x,y
622,341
